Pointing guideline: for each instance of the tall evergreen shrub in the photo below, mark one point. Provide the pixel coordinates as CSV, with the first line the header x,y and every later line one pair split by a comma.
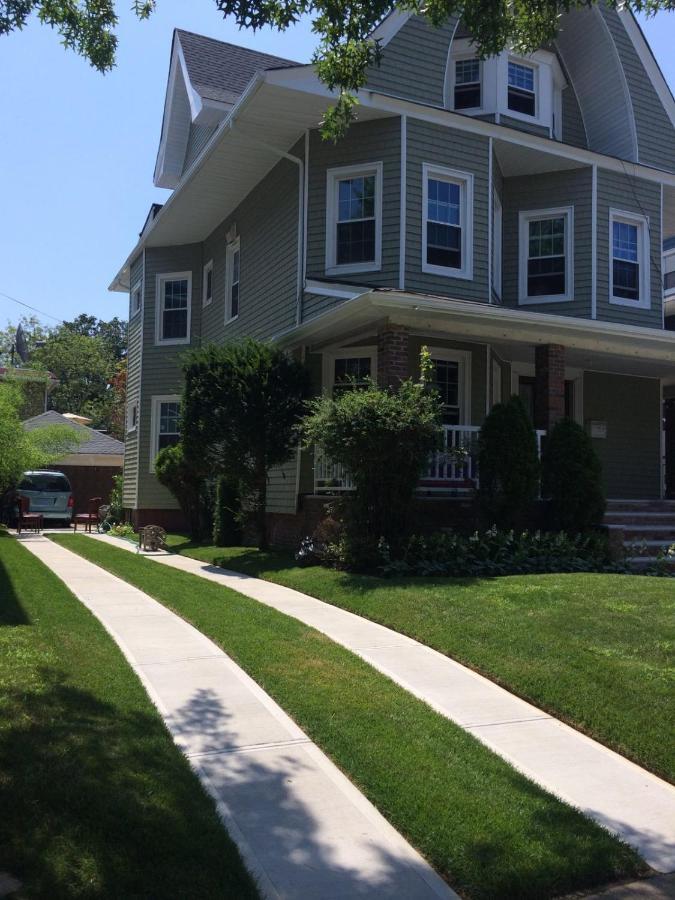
x,y
508,466
226,527
572,479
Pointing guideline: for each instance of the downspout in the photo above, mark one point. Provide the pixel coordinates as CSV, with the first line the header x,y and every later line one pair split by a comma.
x,y
301,206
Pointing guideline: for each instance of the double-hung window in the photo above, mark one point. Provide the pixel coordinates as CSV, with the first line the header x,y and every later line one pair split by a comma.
x,y
165,424
207,283
354,219
467,84
546,264
447,222
451,376
173,308
629,259
521,92
348,369
136,298
233,267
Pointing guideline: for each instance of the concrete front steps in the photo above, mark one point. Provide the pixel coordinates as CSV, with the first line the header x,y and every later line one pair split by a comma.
x,y
645,527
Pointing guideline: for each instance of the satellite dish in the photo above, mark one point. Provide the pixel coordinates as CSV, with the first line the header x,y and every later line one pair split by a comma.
x,y
21,344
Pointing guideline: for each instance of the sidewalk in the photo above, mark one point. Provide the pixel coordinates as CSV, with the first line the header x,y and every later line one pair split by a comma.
x,y
301,826
626,799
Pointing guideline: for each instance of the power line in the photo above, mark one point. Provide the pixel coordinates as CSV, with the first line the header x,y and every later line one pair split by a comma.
x,y
28,306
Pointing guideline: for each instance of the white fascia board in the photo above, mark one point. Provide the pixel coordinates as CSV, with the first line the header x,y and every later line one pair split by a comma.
x,y
332,289
305,80
648,60
194,98
482,320
390,26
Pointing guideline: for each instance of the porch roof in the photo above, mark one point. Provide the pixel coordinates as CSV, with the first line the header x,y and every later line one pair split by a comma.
x,y
591,343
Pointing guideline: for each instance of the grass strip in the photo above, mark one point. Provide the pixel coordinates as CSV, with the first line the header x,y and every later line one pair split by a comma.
x,y
487,829
96,799
597,651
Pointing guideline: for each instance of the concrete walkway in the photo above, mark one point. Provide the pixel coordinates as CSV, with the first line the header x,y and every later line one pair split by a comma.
x,y
632,803
302,827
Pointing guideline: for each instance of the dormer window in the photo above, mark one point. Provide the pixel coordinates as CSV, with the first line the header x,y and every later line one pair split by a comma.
x,y
467,84
521,96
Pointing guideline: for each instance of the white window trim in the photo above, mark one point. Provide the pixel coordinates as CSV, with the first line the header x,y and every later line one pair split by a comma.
x,y
524,218
458,57
157,400
328,364
131,406
159,304
136,286
206,301
528,63
465,181
463,360
232,248
333,176
497,244
642,223
667,255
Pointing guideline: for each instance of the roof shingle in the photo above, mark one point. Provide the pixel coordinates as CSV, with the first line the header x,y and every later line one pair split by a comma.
x,y
97,443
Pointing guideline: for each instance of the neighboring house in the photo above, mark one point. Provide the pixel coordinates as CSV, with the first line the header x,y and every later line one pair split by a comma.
x,y
516,215
91,464
35,384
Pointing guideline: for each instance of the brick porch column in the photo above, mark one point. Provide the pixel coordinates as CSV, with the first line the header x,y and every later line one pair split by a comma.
x,y
549,388
392,355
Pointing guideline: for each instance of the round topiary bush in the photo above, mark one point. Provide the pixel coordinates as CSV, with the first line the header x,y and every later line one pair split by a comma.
x,y
508,466
572,479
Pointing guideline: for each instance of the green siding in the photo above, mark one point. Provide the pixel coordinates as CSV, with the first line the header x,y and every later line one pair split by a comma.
x,y
631,452
549,191
366,142
413,62
198,139
628,194
655,135
134,363
434,144
573,130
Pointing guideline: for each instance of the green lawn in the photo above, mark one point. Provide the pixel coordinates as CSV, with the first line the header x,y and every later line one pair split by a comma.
x,y
96,799
595,650
487,829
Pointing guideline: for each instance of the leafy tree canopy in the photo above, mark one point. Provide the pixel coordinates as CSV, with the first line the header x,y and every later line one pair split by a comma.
x,y
346,49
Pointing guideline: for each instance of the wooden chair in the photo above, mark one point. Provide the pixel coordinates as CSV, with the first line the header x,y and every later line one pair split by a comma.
x,y
31,521
90,517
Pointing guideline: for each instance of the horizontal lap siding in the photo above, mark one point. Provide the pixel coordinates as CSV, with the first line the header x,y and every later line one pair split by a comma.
x,y
623,192
550,191
134,361
573,130
315,304
520,125
655,133
631,452
199,137
366,142
267,225
161,364
436,145
413,62
281,487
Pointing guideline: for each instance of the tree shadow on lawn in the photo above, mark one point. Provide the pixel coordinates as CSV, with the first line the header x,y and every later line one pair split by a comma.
x,y
11,610
97,803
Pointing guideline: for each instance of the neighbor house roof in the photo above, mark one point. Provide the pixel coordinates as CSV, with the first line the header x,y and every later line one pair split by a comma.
x,y
221,71
97,444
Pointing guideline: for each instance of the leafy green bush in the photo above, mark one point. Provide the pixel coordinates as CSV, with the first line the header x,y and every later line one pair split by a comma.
x,y
495,552
186,483
572,478
384,439
227,510
508,466
122,530
116,511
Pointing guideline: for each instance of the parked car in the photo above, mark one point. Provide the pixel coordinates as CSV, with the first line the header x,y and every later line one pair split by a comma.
x,y
48,493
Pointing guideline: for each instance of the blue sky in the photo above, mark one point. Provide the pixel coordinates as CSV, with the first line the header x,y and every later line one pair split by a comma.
x,y
78,151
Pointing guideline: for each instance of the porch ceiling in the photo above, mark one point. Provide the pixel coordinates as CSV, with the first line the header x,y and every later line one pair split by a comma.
x,y
515,160
591,345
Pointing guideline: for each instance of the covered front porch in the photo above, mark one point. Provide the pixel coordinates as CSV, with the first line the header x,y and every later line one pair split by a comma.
x,y
610,378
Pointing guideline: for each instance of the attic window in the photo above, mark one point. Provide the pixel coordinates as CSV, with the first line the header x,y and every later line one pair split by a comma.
x,y
467,84
521,89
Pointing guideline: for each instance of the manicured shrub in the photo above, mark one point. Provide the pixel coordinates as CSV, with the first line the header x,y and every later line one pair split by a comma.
x,y
227,509
384,439
572,479
494,552
241,411
508,466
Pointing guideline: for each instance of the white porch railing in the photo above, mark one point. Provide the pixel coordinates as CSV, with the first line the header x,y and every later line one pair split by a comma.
x,y
455,468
